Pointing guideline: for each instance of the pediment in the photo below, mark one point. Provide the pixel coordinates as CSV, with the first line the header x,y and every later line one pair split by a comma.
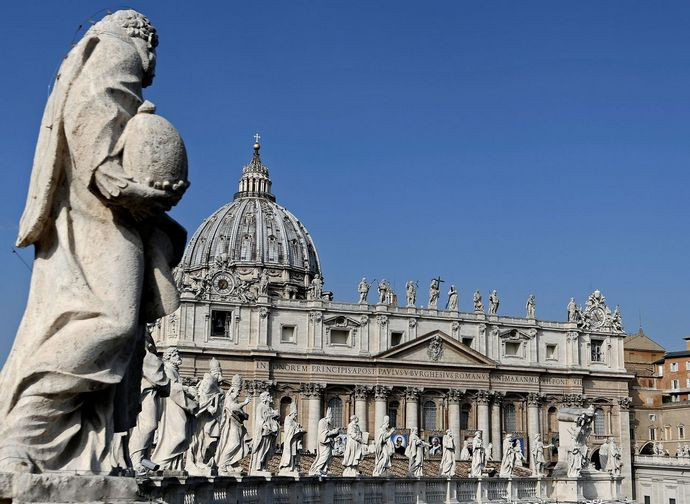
x,y
341,321
517,334
436,348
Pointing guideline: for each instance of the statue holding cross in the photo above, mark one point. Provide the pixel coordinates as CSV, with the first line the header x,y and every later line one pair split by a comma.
x,y
434,291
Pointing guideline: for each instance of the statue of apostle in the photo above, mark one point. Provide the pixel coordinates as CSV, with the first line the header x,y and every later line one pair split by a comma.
x,y
232,445
510,456
478,456
415,454
531,306
384,449
477,301
324,449
266,430
202,449
353,449
411,293
293,433
175,427
493,302
363,291
447,467
434,291
538,455
104,250
452,304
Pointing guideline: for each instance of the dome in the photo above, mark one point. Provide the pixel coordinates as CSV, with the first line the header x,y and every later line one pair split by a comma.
x,y
253,236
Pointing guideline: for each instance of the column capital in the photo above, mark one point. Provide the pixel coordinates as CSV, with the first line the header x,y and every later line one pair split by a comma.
x,y
412,393
255,387
381,391
625,402
535,398
361,391
454,396
483,397
312,389
576,400
497,397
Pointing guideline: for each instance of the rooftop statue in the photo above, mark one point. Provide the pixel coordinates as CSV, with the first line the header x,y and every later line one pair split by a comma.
x,y
493,303
434,291
104,250
477,300
363,291
411,293
531,306
452,304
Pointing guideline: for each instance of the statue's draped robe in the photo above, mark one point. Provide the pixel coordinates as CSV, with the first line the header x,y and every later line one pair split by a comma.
x,y
415,455
206,425
509,458
175,427
232,445
353,448
264,440
478,457
324,449
465,452
447,467
292,441
384,451
73,376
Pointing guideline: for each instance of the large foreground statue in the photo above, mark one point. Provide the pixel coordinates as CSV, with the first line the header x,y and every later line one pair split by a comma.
x,y
103,252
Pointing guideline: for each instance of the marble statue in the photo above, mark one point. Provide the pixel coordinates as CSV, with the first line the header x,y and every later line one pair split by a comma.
x,y
175,427
233,442
493,302
572,310
465,454
510,456
610,457
411,293
353,449
263,283
415,454
154,384
324,449
452,304
686,450
104,251
538,455
679,451
530,307
391,296
434,292
575,426
477,300
478,455
293,433
363,290
617,320
266,431
315,288
383,291
384,449
202,449
447,466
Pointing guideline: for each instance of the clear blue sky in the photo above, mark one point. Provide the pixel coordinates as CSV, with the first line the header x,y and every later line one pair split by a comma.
x,y
528,146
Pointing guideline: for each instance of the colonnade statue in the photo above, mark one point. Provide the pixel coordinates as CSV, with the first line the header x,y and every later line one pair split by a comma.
x,y
293,433
232,445
104,250
324,450
266,430
384,448
447,466
415,454
478,455
353,449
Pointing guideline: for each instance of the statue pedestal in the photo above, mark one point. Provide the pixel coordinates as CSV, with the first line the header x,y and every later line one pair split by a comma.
x,y
62,487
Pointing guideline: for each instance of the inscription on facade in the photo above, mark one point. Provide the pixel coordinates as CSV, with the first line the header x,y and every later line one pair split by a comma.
x,y
376,371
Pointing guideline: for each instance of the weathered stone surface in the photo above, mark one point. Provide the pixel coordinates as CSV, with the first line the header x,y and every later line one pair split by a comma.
x,y
55,487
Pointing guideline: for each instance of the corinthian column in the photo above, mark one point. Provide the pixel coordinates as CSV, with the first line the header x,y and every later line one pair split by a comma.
x,y
533,401
381,394
412,407
496,440
454,397
483,414
312,393
361,393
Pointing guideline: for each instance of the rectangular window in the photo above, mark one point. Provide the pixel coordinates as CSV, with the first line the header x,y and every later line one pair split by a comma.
x,y
681,432
661,370
674,367
551,352
340,337
396,338
667,432
647,499
220,323
287,334
652,434
467,342
675,384
652,417
513,348
671,501
597,351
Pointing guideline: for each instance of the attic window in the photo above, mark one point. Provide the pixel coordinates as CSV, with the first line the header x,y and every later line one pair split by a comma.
x,y
513,348
467,341
551,352
396,338
340,337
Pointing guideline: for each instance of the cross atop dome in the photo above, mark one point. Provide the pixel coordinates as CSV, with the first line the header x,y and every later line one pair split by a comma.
x,y
255,181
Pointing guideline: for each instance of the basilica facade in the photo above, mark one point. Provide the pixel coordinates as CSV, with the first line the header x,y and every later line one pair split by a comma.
x,y
252,297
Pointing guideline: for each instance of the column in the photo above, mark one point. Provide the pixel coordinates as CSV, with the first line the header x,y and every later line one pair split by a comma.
x,y
533,402
624,433
454,397
483,414
412,407
312,393
496,420
381,394
361,393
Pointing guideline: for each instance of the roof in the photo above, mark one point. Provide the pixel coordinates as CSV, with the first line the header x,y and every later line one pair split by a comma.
x,y
673,355
640,341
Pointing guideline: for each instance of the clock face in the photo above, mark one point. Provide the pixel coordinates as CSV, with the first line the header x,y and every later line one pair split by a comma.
x,y
597,316
223,284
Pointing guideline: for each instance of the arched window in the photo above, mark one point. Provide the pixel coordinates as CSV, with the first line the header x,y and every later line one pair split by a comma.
x,y
393,413
429,415
465,416
553,419
285,403
246,248
509,424
599,423
336,405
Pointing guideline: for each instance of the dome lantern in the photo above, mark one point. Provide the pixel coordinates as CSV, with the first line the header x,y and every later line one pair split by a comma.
x,y
255,180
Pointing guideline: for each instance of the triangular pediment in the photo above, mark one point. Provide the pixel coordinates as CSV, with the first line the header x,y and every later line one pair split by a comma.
x,y
436,347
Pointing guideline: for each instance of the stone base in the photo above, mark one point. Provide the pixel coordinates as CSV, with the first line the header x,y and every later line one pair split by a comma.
x,y
265,474
67,487
287,472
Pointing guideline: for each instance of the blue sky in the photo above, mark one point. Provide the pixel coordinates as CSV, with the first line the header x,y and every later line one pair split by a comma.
x,y
528,147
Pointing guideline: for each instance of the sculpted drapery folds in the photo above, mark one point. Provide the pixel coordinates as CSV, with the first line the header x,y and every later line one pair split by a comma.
x,y
324,450
103,253
353,449
232,445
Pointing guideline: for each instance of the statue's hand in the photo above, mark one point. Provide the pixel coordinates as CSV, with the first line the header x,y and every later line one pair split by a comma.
x,y
141,200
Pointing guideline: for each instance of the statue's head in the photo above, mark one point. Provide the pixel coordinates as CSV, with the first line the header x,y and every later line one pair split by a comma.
x,y
354,419
265,397
172,356
386,421
235,386
214,369
142,32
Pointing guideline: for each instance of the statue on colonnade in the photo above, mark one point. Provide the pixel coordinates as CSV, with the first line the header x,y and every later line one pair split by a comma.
x,y
233,442
384,448
293,433
363,290
353,449
415,454
324,450
266,430
478,455
447,466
